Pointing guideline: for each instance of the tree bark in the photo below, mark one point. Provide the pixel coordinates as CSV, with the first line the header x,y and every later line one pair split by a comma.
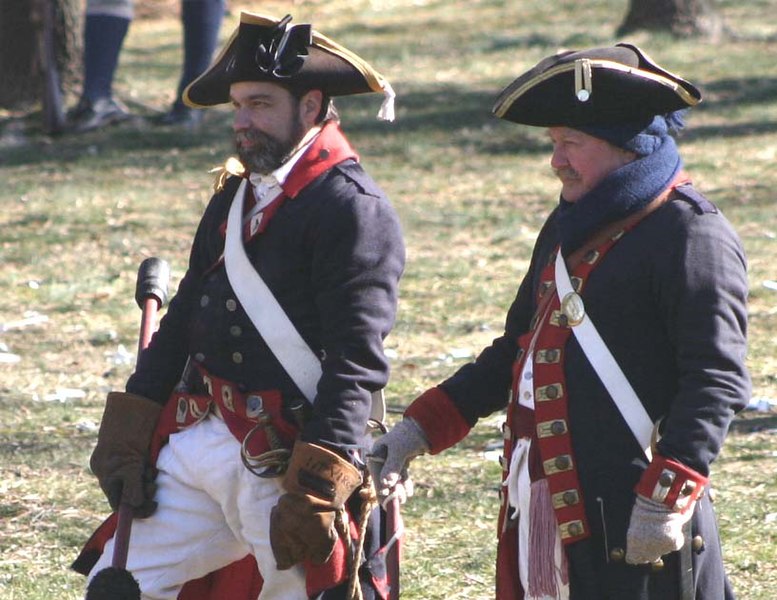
x,y
22,66
677,17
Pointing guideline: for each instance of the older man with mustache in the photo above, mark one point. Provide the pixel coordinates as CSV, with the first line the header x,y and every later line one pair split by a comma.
x,y
622,360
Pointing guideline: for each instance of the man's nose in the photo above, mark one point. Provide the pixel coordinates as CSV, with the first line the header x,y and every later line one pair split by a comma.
x,y
240,120
558,159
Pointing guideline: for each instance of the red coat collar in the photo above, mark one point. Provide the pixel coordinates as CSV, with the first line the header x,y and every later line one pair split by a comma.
x,y
328,149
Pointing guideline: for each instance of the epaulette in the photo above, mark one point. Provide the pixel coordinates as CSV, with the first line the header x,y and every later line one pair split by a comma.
x,y
232,166
700,204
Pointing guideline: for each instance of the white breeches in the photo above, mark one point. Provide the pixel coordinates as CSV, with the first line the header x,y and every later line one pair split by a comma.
x,y
212,511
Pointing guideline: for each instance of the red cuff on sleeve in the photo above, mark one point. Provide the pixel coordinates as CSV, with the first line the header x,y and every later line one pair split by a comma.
x,y
671,483
438,416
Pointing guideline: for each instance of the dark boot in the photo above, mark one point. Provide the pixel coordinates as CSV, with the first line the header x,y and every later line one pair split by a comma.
x,y
103,39
201,25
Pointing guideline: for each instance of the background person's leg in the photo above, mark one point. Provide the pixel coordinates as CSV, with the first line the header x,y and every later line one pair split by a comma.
x,y
201,20
105,28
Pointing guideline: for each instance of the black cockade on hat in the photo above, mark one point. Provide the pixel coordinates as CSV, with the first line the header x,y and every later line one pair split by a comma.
x,y
284,50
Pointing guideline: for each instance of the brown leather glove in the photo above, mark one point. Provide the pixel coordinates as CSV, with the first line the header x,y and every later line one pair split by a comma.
x,y
317,482
121,458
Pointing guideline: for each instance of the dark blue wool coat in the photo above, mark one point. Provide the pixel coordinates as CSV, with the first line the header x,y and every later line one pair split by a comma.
x,y
332,256
669,300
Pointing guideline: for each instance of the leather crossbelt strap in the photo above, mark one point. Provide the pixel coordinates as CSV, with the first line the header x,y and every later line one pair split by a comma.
x,y
602,360
269,318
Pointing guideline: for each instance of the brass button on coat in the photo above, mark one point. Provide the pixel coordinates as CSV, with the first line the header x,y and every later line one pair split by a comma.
x,y
557,465
565,498
617,555
571,529
558,427
545,357
570,497
551,428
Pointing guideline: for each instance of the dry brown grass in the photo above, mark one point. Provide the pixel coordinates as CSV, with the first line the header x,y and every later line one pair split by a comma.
x,y
80,213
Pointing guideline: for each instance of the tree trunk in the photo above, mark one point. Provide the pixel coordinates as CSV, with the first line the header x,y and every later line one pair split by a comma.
x,y
678,17
22,64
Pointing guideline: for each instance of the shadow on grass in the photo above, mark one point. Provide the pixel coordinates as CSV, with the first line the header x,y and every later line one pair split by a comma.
x,y
135,143
400,39
452,115
747,423
736,130
726,93
455,115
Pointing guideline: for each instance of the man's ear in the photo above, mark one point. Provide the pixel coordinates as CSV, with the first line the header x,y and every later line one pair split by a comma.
x,y
310,106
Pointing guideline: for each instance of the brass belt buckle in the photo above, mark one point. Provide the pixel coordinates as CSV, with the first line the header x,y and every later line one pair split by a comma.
x,y
573,308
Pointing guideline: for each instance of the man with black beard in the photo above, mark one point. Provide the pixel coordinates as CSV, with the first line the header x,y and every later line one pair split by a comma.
x,y
262,152
250,405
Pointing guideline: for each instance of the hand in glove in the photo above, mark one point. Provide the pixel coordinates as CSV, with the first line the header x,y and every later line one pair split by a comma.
x,y
317,482
121,458
666,496
390,457
654,530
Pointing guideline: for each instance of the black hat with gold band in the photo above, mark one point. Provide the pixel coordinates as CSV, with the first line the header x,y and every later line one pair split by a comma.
x,y
268,49
601,86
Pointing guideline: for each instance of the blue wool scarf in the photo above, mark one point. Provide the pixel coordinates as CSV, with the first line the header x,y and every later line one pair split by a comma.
x,y
622,192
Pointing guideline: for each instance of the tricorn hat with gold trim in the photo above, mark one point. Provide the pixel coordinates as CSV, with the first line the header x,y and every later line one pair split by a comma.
x,y
268,49
601,86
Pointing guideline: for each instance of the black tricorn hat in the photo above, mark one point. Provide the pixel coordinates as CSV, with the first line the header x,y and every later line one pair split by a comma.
x,y
601,86
268,49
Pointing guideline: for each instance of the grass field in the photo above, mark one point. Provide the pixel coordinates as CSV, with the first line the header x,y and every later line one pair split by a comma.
x,y
81,212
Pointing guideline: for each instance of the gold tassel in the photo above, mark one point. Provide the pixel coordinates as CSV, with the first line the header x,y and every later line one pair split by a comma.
x,y
232,166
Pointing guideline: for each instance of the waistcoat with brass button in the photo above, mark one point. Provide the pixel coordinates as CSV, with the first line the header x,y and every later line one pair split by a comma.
x,y
246,410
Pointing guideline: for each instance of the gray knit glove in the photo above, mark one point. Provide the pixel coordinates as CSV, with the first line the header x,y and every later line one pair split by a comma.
x,y
654,530
390,457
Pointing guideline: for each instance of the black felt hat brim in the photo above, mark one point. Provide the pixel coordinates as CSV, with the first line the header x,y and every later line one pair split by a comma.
x,y
328,67
625,86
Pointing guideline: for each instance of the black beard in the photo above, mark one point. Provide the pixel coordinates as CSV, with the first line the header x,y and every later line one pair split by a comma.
x,y
265,154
